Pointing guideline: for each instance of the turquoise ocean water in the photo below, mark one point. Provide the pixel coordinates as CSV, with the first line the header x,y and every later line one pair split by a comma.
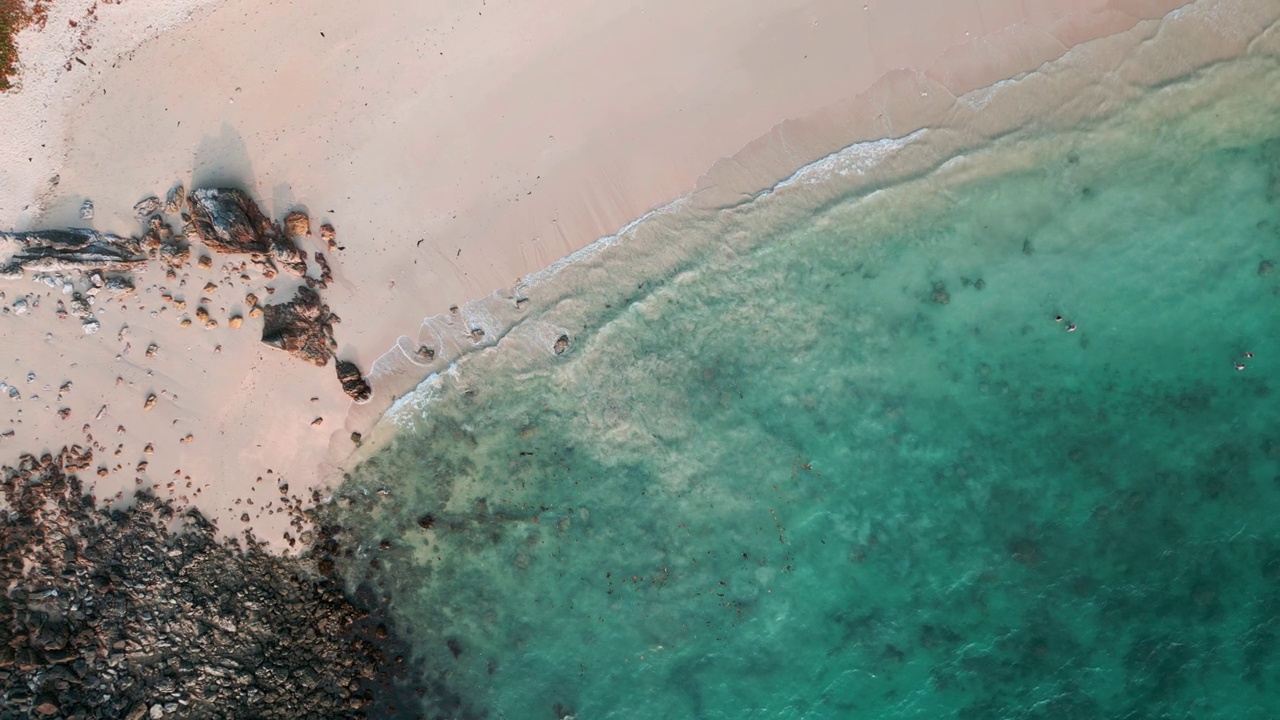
x,y
844,461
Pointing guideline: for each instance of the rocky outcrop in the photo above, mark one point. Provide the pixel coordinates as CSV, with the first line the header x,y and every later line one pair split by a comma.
x,y
302,327
72,249
353,383
227,220
113,615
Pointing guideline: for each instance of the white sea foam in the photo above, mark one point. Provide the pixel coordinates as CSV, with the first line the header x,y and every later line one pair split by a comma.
x,y
857,159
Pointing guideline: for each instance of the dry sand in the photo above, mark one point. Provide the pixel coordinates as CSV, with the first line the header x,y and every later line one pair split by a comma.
x,y
455,146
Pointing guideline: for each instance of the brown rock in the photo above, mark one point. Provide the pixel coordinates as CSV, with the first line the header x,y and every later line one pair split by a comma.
x,y
150,402
562,344
297,223
353,383
235,321
301,327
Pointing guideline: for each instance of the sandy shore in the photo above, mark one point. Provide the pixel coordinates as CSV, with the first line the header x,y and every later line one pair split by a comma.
x,y
455,147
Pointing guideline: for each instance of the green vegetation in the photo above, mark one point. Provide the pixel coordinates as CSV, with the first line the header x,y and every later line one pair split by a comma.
x,y
13,17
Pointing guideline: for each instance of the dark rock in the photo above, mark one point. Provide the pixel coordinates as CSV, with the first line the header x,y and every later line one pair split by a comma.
x,y
229,221
1266,267
562,344
353,383
940,294
301,327
74,248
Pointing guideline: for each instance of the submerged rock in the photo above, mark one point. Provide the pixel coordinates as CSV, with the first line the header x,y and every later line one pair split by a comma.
x,y
302,327
229,221
71,249
353,383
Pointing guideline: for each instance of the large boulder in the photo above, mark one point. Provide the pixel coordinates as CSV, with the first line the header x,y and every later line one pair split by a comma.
x,y
302,327
229,221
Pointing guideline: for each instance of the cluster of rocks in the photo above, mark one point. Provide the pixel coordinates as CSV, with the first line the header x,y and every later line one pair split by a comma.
x,y
229,221
112,615
224,220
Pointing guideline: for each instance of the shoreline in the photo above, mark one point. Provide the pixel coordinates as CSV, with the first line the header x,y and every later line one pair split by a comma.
x,y
228,396
938,144
214,382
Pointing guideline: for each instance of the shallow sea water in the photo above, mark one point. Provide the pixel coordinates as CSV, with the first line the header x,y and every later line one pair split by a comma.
x,y
857,469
